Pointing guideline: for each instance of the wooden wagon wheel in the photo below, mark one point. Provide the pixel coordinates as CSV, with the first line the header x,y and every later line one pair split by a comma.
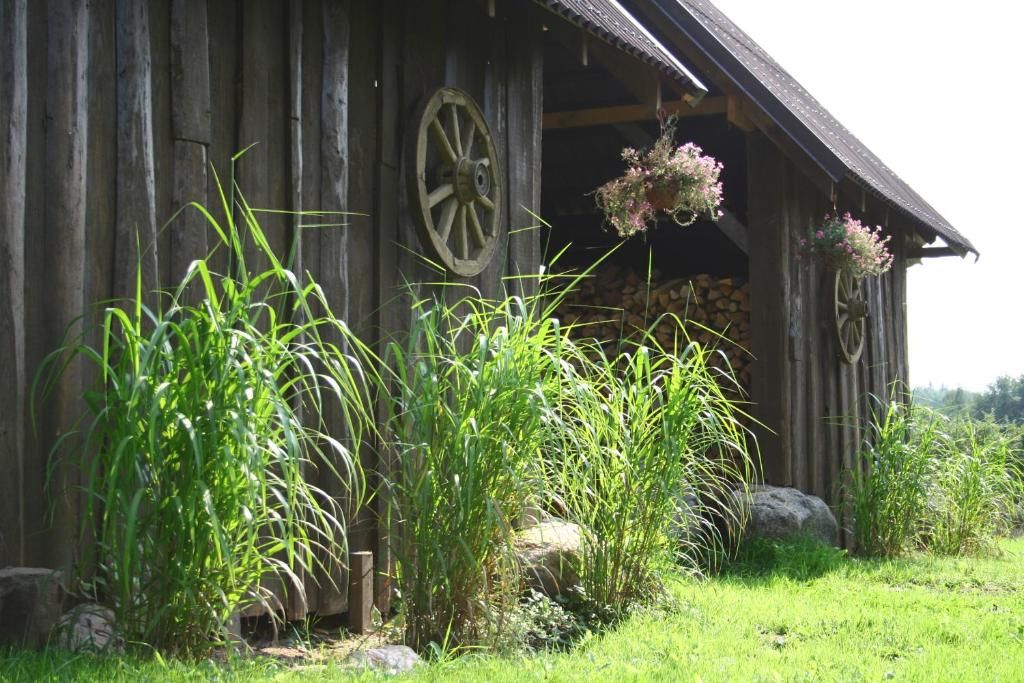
x,y
454,182
851,312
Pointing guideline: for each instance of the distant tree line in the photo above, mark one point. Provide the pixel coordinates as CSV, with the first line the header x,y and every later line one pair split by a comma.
x,y
1003,400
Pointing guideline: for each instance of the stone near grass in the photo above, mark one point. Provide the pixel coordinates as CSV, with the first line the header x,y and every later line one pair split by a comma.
x,y
88,628
388,659
30,605
549,554
781,512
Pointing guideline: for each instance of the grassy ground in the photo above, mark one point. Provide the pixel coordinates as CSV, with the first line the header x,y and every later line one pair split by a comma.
x,y
793,615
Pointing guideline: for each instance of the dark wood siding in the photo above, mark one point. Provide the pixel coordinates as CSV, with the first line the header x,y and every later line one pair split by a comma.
x,y
810,400
112,114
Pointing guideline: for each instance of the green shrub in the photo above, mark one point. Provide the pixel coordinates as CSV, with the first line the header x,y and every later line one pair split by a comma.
x,y
205,440
888,488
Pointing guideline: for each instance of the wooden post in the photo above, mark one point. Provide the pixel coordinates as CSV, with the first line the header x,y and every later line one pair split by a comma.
x,y
360,592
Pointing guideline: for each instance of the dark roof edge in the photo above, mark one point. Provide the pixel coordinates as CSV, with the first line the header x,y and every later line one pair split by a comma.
x,y
680,18
666,63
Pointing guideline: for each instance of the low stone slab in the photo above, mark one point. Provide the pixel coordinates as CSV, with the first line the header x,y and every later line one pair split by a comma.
x,y
88,628
389,659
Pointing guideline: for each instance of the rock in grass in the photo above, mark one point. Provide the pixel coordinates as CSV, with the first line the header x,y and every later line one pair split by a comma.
x,y
88,628
389,659
782,512
549,554
30,605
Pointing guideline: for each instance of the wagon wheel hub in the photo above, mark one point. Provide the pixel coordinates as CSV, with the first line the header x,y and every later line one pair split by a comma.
x,y
454,182
470,178
851,312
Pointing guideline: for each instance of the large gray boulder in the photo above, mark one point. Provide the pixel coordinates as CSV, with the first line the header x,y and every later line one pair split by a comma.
x,y
30,605
549,554
783,512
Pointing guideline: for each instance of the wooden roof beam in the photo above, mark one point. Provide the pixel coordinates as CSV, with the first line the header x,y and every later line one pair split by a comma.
x,y
630,113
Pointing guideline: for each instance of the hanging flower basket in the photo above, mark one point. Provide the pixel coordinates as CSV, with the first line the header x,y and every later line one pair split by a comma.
x,y
678,181
844,244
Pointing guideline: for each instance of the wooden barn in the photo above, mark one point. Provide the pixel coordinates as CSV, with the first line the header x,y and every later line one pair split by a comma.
x,y
444,126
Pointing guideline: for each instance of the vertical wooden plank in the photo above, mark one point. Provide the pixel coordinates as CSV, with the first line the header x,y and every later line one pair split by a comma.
x,y
306,99
13,143
64,228
136,235
263,122
163,134
223,52
334,248
190,118
525,109
386,226
798,343
296,603
816,394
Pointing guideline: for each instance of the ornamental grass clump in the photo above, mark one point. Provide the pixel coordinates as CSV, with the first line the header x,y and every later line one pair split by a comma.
x,y
207,463
635,435
844,243
888,487
465,428
679,181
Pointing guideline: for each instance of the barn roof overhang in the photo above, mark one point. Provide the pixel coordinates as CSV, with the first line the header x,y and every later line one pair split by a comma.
x,y
612,23
801,118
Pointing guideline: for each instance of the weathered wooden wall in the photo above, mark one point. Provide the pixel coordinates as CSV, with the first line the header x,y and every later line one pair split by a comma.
x,y
112,112
811,400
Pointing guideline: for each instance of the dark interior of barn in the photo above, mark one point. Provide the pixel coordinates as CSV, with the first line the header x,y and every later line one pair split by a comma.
x,y
586,87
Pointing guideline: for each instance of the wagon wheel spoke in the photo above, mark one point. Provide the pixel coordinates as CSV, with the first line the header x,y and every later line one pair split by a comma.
x,y
474,223
468,138
486,203
461,233
441,140
440,194
453,118
444,224
842,306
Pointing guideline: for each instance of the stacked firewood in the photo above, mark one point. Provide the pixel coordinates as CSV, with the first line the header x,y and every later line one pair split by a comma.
x,y
617,303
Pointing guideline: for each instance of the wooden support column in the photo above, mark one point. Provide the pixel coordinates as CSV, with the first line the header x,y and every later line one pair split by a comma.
x,y
525,109
360,592
766,172
13,142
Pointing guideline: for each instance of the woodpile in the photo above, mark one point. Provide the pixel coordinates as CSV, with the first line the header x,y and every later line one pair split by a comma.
x,y
617,303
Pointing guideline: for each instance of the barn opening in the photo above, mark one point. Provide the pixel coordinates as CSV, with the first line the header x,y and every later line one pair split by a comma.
x,y
597,100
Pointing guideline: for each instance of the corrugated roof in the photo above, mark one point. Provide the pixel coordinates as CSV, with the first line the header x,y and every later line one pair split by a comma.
x,y
799,114
609,21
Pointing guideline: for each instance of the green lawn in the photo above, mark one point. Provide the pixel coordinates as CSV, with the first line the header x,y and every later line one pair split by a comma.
x,y
812,617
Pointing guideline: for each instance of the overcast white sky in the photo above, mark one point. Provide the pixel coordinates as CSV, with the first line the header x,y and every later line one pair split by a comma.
x,y
934,88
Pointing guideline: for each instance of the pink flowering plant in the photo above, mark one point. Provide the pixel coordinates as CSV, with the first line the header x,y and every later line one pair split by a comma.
x,y
844,243
680,181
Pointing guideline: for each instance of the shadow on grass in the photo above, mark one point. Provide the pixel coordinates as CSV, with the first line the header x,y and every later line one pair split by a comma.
x,y
798,559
